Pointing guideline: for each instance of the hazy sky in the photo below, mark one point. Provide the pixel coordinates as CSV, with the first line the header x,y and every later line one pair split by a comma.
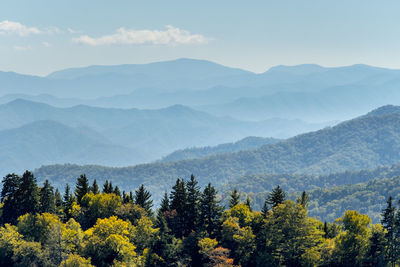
x,y
40,36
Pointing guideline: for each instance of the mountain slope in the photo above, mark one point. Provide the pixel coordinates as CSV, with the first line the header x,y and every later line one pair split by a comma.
x,y
155,132
361,143
49,142
247,143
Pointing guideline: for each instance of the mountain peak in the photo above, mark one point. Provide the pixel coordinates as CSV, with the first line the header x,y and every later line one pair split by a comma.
x,y
384,110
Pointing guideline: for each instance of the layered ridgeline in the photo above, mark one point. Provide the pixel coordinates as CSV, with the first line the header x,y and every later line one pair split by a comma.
x,y
247,143
310,92
363,143
330,195
132,136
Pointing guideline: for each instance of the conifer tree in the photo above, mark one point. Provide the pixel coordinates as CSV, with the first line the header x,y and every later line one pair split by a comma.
x,y
9,197
108,187
210,211
28,194
94,188
117,191
47,199
143,199
265,209
178,204
276,197
248,203
234,198
81,188
193,199
388,222
68,200
58,201
303,199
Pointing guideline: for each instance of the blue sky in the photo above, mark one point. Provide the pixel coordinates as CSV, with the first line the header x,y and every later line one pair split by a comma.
x,y
38,37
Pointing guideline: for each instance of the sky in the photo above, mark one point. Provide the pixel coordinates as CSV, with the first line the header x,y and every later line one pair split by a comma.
x,y
41,36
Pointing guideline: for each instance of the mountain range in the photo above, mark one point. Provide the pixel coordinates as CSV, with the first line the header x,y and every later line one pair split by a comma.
x,y
365,142
308,92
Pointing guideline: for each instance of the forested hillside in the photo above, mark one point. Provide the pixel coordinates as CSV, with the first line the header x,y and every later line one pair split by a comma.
x,y
92,226
247,143
362,143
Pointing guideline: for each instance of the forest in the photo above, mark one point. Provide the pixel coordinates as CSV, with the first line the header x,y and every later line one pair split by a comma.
x,y
92,225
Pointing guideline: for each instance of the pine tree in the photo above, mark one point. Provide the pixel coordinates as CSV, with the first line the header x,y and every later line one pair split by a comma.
x,y
117,191
143,199
276,197
265,209
59,202
107,187
193,199
210,211
178,204
234,198
9,197
47,199
388,222
28,194
81,188
68,200
248,203
94,188
303,199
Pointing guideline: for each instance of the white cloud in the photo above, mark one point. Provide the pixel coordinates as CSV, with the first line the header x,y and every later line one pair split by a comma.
x,y
46,44
22,48
170,36
17,28
72,31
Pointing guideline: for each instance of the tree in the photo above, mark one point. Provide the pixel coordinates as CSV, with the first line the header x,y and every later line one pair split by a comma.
x,y
276,197
178,207
9,197
143,198
27,194
303,199
351,246
293,238
107,187
68,201
210,211
234,198
376,252
248,203
47,199
117,191
193,199
388,222
81,188
94,188
265,209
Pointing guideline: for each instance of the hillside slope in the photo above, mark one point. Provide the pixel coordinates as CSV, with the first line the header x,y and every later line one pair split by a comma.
x,y
362,143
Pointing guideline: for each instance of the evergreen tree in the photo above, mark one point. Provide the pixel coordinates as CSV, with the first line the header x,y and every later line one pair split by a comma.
x,y
178,204
81,188
143,199
388,222
9,197
94,188
210,211
234,198
68,200
303,199
164,206
248,203
193,199
107,187
117,191
276,197
47,199
28,194
265,209
59,202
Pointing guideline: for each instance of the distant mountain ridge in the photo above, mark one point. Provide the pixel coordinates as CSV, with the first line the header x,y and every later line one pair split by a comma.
x,y
247,143
362,143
